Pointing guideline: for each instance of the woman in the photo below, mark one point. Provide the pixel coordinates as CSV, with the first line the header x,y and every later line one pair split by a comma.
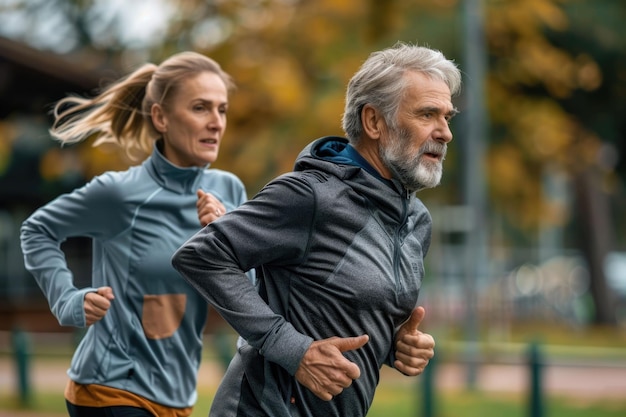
x,y
142,351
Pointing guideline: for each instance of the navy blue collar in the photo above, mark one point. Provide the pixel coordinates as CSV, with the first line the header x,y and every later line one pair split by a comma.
x,y
344,153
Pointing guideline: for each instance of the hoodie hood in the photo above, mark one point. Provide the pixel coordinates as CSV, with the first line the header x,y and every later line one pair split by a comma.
x,y
323,155
328,149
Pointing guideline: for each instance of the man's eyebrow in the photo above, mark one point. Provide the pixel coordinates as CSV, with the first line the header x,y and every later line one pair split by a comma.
x,y
434,109
453,112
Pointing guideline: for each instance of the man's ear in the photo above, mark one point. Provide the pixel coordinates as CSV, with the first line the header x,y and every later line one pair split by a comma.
x,y
372,120
158,118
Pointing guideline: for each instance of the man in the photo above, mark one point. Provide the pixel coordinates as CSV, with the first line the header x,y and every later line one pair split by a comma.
x,y
338,246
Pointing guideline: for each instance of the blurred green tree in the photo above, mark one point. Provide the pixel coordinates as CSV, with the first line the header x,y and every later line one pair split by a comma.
x,y
555,93
557,88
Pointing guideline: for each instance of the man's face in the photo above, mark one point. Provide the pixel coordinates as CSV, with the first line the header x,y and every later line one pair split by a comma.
x,y
414,152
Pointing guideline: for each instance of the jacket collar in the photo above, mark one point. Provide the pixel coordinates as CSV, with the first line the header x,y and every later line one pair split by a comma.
x,y
171,177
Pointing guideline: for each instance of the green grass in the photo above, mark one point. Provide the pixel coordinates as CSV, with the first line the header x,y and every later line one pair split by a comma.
x,y
397,398
40,402
403,400
397,401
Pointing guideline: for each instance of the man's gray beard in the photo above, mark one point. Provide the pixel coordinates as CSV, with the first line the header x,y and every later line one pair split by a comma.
x,y
414,173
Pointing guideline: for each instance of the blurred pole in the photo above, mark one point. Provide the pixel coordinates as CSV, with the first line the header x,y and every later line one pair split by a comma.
x,y
21,352
474,187
535,362
428,389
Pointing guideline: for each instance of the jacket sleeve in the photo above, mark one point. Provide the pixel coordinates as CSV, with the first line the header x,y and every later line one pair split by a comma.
x,y
79,213
270,229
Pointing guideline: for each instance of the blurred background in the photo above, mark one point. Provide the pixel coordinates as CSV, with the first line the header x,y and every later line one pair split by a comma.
x,y
529,237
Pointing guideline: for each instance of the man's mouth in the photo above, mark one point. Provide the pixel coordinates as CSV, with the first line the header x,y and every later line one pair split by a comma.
x,y
434,151
433,155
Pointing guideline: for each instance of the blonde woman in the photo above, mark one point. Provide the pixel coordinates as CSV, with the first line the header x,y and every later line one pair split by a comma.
x,y
142,349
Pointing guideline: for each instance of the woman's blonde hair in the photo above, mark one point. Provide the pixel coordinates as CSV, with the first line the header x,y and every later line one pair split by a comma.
x,y
121,112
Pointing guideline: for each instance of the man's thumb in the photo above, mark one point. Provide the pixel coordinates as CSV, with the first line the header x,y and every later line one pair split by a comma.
x,y
345,344
417,315
200,193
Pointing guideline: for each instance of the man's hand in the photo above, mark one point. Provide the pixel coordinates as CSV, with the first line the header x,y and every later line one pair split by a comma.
x,y
209,208
96,304
325,371
413,348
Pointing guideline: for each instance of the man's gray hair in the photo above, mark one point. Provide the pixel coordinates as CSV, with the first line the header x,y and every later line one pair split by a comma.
x,y
380,82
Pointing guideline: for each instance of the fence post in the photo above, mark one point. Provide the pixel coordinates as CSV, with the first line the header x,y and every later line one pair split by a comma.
x,y
21,355
535,361
428,390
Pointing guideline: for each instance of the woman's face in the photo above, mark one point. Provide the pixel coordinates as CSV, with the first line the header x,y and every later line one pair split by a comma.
x,y
194,121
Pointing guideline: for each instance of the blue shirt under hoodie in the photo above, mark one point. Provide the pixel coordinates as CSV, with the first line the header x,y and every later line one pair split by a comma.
x,y
150,340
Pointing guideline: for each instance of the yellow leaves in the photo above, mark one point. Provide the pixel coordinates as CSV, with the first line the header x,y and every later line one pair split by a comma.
x,y
588,73
329,112
539,126
529,77
340,7
518,187
518,195
584,151
505,163
540,63
516,35
549,13
102,158
546,65
284,81
7,136
525,18
250,162
542,128
82,159
57,163
321,30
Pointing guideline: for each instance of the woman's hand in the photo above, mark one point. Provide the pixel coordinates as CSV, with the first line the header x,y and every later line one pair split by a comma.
x,y
209,208
96,304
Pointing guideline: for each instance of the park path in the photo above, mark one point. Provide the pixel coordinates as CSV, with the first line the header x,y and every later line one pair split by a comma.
x,y
584,382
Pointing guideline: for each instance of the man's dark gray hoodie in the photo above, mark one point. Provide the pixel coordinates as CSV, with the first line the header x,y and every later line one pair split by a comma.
x,y
338,252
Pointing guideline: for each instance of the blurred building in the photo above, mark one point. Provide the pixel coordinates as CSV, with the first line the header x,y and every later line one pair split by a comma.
x,y
30,82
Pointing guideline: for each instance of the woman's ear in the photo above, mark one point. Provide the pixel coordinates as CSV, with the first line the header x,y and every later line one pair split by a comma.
x,y
158,118
372,121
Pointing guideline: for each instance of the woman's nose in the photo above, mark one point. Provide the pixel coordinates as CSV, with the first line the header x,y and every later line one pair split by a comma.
x,y
217,121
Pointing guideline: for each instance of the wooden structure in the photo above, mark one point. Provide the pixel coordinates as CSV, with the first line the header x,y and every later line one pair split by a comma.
x,y
30,81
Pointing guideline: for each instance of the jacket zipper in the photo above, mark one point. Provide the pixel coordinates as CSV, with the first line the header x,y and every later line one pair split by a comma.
x,y
400,288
